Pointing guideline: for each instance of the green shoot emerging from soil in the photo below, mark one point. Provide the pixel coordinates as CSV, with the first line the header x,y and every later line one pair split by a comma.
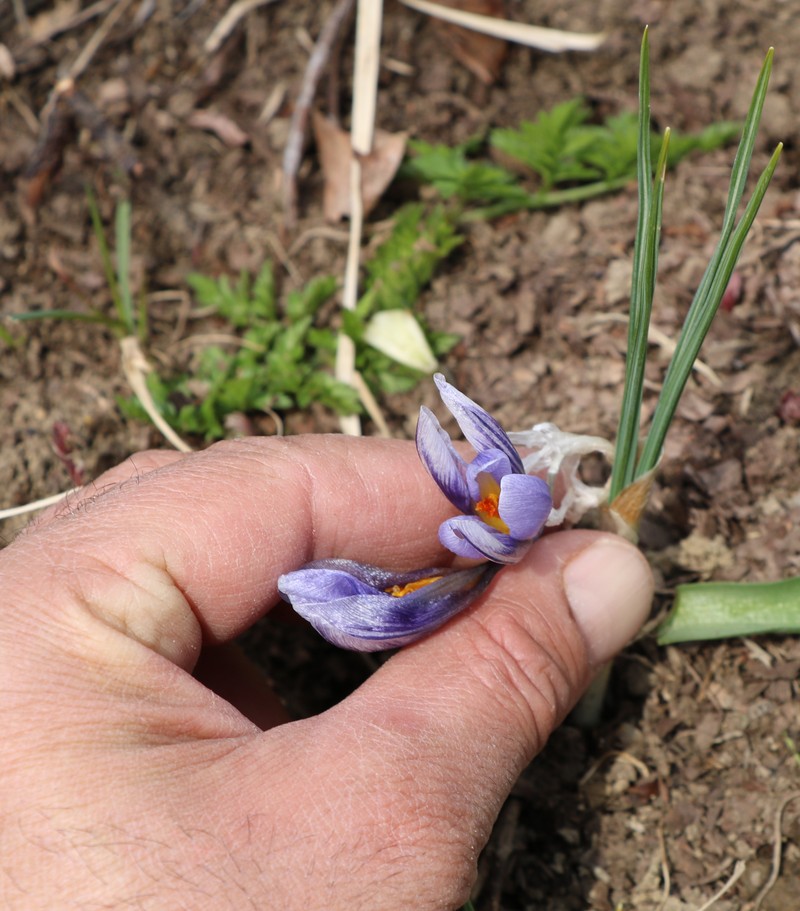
x,y
713,610
129,320
629,463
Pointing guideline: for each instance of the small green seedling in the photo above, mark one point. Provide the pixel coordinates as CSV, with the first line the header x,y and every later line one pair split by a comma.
x,y
129,320
571,159
279,356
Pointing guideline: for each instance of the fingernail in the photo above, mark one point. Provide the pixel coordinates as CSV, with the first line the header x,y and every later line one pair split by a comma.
x,y
609,587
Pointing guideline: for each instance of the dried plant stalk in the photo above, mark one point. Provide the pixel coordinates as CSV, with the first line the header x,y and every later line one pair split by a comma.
x,y
365,94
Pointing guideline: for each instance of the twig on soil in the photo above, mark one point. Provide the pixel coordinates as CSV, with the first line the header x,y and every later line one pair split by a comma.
x,y
665,877
213,338
640,766
776,850
229,22
31,120
657,337
545,39
293,152
738,870
283,257
323,231
273,104
93,44
135,366
85,15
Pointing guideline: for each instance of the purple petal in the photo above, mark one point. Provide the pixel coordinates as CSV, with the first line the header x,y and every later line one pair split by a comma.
x,y
492,462
445,465
477,425
339,599
469,537
524,505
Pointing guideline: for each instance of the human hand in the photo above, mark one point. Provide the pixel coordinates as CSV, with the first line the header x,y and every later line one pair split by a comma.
x,y
126,782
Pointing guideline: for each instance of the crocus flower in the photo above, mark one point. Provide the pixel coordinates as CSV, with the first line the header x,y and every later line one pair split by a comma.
x,y
364,608
504,509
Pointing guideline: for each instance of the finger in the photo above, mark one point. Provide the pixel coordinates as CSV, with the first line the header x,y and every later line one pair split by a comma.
x,y
132,469
196,546
444,728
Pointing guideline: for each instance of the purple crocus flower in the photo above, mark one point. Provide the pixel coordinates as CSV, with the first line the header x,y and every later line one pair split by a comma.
x,y
503,508
364,608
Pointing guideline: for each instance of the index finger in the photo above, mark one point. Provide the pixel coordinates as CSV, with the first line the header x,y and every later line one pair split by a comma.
x,y
221,525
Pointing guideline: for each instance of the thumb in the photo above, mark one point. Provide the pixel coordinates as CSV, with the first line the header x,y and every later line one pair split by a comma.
x,y
447,725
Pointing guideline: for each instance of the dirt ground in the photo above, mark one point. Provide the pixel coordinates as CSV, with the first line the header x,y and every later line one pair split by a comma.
x,y
654,809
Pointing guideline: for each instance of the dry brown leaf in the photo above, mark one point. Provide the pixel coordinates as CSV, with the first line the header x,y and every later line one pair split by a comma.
x,y
481,54
377,169
222,127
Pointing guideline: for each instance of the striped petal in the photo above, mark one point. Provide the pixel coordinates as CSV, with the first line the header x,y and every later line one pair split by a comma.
x,y
477,425
348,603
445,465
524,505
469,536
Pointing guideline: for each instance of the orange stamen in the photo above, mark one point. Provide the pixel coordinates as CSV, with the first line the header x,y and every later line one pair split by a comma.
x,y
488,510
398,591
487,507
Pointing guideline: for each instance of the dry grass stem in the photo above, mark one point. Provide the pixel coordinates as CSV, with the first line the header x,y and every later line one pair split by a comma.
x,y
59,28
365,93
229,22
738,870
36,505
94,43
371,405
293,151
545,39
776,850
135,367
656,337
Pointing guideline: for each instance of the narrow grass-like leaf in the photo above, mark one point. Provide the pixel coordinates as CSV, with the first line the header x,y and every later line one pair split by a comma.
x,y
92,317
719,610
123,301
641,291
715,279
741,162
102,243
698,322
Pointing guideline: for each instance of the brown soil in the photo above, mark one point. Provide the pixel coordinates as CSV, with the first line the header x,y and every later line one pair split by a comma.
x,y
654,809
